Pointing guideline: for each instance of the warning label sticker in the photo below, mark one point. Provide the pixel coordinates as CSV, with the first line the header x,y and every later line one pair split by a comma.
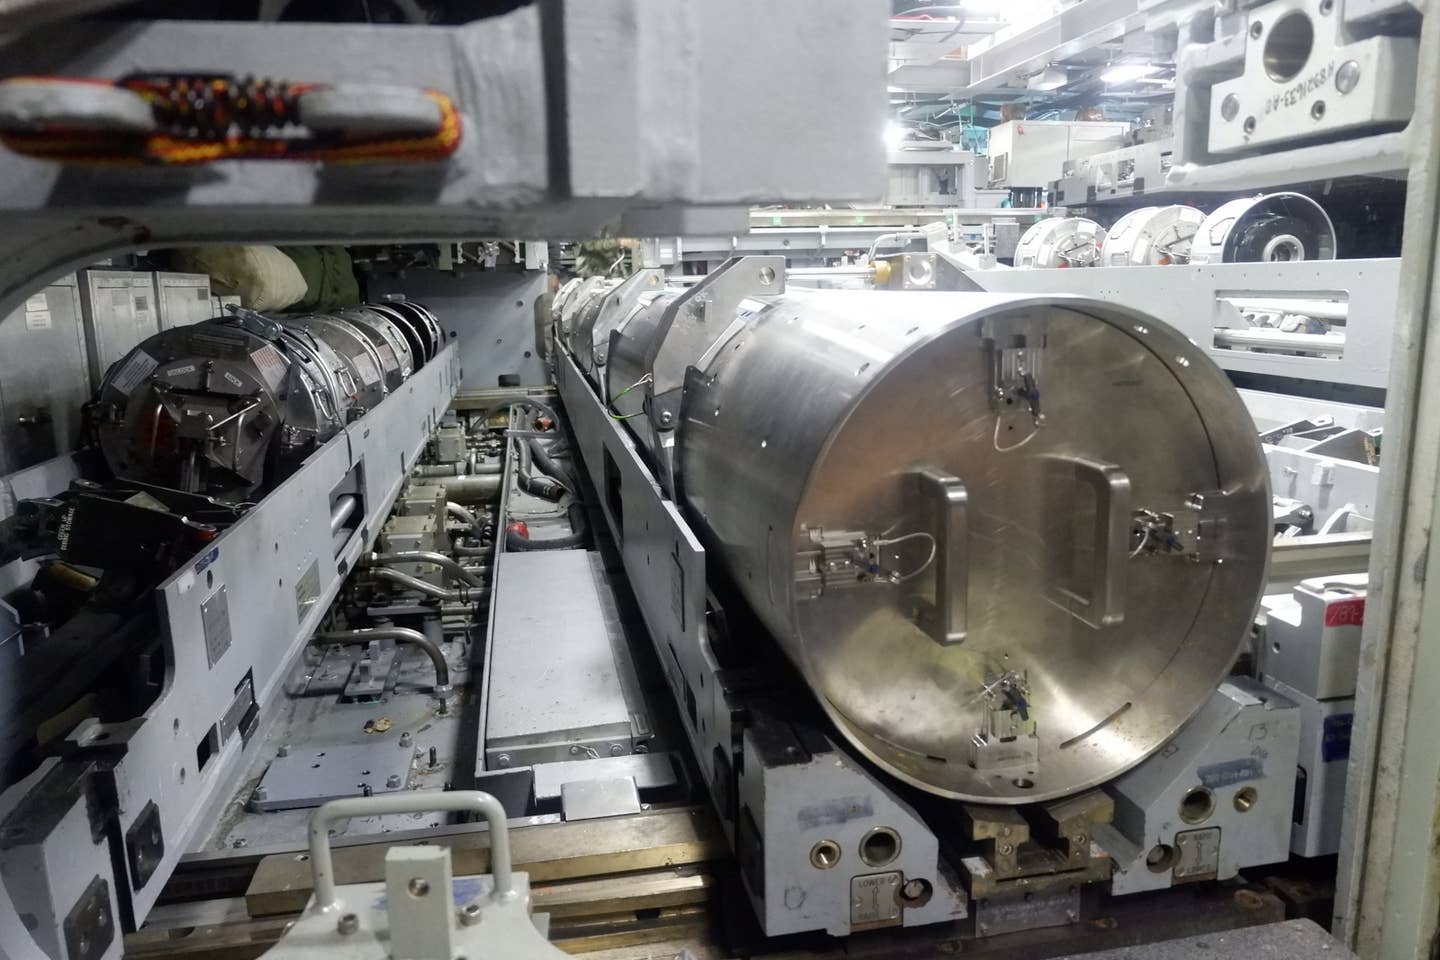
x,y
37,319
137,367
272,366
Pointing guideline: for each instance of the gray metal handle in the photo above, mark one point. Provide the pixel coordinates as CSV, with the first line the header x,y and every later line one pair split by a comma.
x,y
322,867
1105,604
948,502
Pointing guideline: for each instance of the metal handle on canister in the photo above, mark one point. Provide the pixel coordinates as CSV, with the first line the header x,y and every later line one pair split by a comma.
x,y
322,867
948,503
1105,604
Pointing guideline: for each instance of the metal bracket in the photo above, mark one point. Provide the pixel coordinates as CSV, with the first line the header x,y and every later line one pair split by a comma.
x,y
1016,349
593,343
256,323
696,318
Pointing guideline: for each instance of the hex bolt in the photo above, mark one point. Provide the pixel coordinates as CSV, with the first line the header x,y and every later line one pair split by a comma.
x,y
666,417
616,749
406,739
260,793
470,914
1005,848
393,781
282,751
347,924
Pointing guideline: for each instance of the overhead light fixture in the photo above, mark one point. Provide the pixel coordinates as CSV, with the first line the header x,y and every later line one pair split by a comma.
x,y
894,135
1128,72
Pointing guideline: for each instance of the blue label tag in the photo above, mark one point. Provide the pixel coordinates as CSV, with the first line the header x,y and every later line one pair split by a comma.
x,y
1335,737
1231,772
207,559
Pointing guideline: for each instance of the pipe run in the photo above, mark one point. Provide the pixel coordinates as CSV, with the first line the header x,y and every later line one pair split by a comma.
x,y
480,488
340,512
448,564
414,583
399,635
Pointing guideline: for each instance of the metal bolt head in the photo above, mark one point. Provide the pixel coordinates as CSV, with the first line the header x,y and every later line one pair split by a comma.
x,y
666,417
282,751
238,842
616,749
347,924
503,760
260,793
470,914
392,781
1230,107
406,739
1347,76
1005,848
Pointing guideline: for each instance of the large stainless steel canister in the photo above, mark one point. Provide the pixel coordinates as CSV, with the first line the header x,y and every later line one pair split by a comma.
x,y
395,354
1013,543
224,406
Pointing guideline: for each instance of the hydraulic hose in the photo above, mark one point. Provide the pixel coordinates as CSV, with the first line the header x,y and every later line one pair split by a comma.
x,y
576,514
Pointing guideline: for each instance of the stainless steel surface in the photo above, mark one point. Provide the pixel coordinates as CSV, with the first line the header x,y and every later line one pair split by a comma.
x,y
766,474
361,360
119,312
182,298
592,799
805,425
793,788
646,770
44,377
557,676
1061,242
227,406
395,354
1152,235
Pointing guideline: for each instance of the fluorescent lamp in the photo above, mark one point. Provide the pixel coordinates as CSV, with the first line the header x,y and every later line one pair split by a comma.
x,y
894,135
1126,72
